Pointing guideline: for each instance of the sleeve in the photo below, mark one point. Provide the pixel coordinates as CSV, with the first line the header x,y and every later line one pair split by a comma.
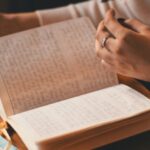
x,y
94,9
139,9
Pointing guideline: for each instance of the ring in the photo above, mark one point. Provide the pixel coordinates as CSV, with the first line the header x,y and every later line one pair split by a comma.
x,y
104,40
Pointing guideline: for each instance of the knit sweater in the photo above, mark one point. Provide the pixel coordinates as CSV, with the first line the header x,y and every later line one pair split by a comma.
x,y
96,10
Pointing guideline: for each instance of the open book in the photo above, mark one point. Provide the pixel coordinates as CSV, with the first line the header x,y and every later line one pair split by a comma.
x,y
56,94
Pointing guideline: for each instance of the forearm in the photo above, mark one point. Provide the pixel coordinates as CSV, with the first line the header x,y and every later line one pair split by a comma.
x,y
11,23
27,20
94,9
89,9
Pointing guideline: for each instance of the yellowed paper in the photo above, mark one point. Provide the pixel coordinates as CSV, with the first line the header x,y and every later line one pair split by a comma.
x,y
96,108
49,64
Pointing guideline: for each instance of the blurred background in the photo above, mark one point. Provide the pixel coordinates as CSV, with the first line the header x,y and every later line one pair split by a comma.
x,y
31,5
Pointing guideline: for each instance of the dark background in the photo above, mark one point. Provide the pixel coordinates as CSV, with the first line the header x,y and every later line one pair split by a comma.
x,y
30,5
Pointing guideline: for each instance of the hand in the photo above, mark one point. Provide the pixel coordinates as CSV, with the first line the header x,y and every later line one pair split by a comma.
x,y
127,52
11,23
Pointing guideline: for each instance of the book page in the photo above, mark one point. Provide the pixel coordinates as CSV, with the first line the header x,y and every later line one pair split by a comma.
x,y
96,108
49,64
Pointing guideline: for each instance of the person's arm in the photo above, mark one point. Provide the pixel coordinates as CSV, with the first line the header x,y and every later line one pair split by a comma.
x,y
126,51
94,9
11,23
89,9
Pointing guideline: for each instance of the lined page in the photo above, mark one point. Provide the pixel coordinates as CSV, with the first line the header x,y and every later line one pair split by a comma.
x,y
49,64
99,107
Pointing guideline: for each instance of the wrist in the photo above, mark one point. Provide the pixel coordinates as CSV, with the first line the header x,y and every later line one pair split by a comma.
x,y
11,23
27,20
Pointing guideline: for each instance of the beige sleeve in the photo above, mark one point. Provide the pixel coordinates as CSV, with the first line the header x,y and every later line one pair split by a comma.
x,y
94,9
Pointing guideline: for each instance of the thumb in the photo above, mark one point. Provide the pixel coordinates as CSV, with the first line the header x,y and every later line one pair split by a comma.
x,y
136,25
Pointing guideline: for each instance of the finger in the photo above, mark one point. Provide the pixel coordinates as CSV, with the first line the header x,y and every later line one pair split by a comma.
x,y
97,47
114,27
101,27
136,25
106,56
102,36
110,43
